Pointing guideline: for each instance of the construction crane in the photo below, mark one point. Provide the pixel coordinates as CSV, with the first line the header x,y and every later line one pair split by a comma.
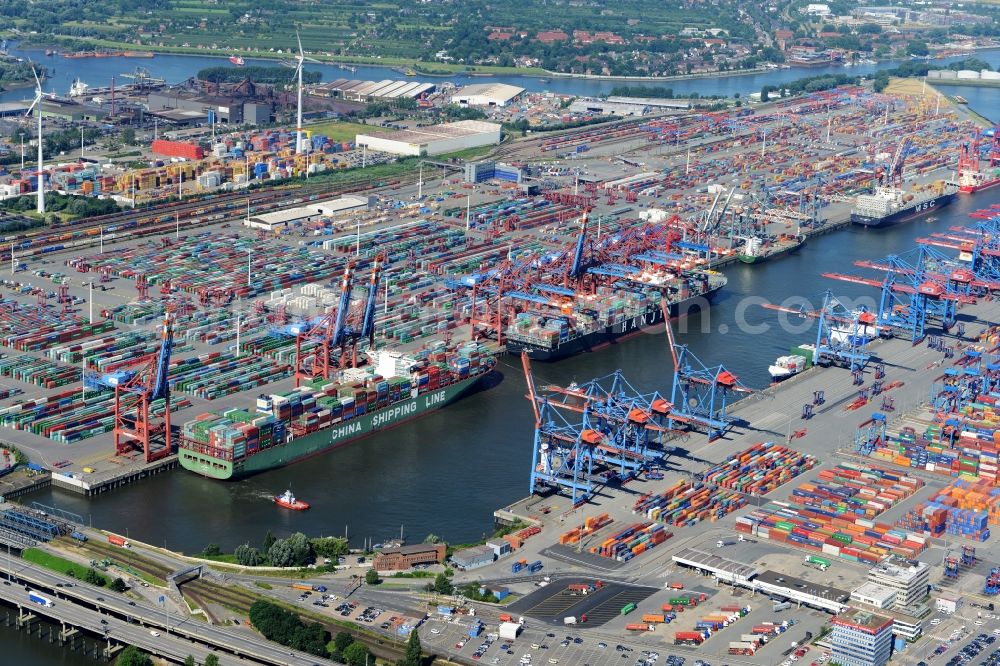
x,y
137,384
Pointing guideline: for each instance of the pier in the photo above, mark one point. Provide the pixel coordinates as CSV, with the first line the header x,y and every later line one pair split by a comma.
x,y
105,480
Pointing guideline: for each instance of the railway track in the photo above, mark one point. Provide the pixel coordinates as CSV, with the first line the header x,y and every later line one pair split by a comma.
x,y
187,215
127,558
203,593
217,208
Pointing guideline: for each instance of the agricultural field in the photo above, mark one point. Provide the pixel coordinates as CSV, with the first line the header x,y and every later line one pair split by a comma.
x,y
391,32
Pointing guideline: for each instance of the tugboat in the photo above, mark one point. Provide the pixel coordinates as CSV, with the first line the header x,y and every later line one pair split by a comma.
x,y
288,501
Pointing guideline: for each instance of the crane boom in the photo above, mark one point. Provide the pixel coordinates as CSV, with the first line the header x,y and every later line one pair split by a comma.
x,y
368,324
574,270
345,303
160,384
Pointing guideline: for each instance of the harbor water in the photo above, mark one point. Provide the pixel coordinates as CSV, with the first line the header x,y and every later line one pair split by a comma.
x,y
97,72
445,473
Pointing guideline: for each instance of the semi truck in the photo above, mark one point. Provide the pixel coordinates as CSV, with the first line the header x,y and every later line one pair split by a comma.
x,y
742,647
308,587
820,563
640,627
118,541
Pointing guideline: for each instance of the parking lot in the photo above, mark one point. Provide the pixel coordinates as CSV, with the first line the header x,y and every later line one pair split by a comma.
x,y
555,602
536,648
951,640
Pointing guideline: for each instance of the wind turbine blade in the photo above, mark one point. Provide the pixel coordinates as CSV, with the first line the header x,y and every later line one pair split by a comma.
x,y
38,83
299,40
318,62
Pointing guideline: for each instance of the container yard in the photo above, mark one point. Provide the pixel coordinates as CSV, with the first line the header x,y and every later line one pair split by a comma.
x,y
195,336
544,274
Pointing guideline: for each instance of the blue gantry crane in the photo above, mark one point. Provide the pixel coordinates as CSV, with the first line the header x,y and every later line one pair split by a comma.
x,y
870,434
588,434
909,297
137,384
699,395
331,334
842,334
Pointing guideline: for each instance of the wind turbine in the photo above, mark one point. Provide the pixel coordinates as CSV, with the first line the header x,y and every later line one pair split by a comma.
x,y
300,59
298,119
40,206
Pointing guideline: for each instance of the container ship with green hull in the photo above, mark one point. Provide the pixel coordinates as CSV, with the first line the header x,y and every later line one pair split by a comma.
x,y
325,414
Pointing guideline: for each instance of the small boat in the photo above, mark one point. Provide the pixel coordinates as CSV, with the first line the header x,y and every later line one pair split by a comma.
x,y
410,72
288,501
237,60
961,100
786,366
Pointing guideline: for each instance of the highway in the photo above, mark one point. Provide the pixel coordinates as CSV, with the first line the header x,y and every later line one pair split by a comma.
x,y
84,606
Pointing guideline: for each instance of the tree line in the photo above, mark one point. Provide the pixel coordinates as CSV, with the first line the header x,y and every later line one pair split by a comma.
x,y
256,74
295,551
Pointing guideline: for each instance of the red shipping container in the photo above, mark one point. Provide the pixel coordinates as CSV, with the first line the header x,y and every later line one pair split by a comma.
x,y
191,151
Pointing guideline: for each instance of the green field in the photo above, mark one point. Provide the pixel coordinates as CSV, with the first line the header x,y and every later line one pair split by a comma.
x,y
57,564
388,32
341,131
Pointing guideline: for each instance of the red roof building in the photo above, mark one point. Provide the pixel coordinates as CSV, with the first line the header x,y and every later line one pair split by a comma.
x,y
549,36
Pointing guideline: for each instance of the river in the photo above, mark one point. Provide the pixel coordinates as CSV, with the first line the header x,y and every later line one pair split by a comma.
x,y
447,472
97,72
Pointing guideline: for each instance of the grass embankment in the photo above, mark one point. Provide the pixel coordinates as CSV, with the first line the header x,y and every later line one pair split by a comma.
x,y
341,131
58,564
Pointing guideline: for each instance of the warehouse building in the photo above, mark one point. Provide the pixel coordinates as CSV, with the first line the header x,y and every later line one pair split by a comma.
x,y
653,102
486,94
436,140
406,557
279,220
472,558
224,109
364,91
605,108
72,111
